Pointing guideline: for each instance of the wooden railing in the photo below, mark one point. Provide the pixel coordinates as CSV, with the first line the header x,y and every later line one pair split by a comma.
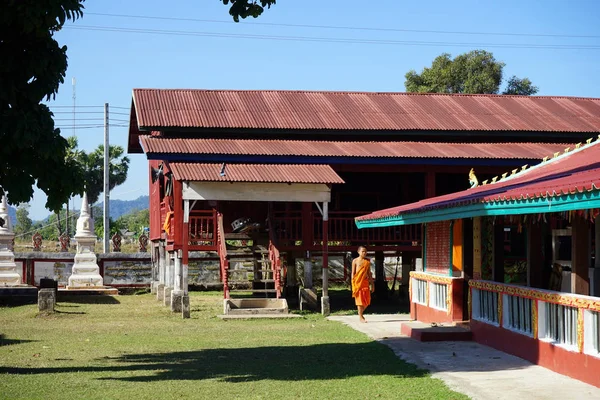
x,y
564,319
342,228
224,261
288,228
203,230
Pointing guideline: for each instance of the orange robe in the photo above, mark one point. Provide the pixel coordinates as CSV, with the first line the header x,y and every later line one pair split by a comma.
x,y
360,284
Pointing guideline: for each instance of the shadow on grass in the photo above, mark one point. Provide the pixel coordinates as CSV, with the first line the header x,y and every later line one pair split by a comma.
x,y
293,363
7,342
90,299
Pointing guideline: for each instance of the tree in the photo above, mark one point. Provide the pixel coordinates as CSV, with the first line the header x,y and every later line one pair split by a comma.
x,y
518,86
247,8
24,223
32,68
92,166
474,72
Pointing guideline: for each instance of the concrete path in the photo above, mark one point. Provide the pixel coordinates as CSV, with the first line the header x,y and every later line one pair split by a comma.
x,y
478,371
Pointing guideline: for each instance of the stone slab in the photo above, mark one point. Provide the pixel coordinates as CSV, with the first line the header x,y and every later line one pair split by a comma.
x,y
88,291
258,316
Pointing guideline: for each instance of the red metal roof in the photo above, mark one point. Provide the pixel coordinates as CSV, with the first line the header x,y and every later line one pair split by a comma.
x,y
302,110
571,173
255,173
350,149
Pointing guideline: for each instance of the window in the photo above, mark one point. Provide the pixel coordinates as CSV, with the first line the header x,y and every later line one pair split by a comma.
x,y
560,324
517,314
485,306
438,295
419,289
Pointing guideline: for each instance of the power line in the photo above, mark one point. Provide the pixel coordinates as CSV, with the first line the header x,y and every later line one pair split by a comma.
x,y
90,126
89,112
354,28
331,39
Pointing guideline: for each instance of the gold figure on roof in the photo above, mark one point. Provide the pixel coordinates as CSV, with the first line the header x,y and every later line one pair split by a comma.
x,y
473,178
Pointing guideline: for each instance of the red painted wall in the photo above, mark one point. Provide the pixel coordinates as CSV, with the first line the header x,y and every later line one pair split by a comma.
x,y
437,258
576,365
428,315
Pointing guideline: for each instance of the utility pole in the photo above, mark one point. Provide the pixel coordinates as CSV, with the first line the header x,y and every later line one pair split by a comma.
x,y
67,213
106,247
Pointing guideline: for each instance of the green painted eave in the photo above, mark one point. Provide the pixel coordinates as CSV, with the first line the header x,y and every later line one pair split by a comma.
x,y
577,201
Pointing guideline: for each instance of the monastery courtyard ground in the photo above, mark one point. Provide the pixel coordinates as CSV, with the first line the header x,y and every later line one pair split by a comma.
x,y
131,346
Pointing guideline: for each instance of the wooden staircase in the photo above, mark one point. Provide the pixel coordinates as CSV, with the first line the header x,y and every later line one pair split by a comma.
x,y
251,270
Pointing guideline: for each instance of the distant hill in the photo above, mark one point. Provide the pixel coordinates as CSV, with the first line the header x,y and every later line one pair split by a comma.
x,y
123,207
117,208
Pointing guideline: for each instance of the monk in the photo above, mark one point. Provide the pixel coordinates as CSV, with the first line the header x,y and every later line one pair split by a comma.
x,y
362,282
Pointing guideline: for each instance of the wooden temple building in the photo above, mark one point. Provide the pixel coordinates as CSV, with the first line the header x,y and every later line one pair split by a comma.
x,y
276,177
517,256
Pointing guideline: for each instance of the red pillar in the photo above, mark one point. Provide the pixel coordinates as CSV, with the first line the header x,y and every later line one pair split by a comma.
x,y
429,184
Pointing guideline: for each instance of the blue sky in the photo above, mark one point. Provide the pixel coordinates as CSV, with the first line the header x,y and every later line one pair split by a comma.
x,y
107,65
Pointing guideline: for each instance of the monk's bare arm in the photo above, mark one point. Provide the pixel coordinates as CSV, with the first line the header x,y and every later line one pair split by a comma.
x,y
353,269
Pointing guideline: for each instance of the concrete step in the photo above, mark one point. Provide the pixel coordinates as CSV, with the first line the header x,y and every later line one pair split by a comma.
x,y
254,290
258,316
432,332
260,310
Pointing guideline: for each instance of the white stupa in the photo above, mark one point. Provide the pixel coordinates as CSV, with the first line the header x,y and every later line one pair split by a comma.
x,y
8,269
86,272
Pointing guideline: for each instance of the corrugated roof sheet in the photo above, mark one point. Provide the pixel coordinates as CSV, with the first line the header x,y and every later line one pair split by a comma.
x,y
287,173
302,110
571,173
349,149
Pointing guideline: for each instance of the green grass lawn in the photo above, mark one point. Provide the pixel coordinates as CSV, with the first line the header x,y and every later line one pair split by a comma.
x,y
131,347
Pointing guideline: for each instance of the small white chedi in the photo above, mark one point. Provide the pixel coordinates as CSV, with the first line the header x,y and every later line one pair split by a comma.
x,y
86,273
8,269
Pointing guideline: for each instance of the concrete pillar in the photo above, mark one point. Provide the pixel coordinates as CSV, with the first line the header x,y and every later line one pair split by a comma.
x,y
535,256
46,300
498,258
325,309
595,271
167,296
381,288
185,299
154,263
160,292
580,256
185,306
408,260
308,276
177,284
176,300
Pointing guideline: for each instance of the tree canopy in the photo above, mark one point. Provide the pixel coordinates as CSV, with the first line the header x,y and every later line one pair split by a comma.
x,y
474,72
247,8
32,68
91,167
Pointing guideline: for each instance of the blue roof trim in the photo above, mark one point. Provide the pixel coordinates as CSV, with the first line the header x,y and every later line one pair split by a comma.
x,y
579,201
